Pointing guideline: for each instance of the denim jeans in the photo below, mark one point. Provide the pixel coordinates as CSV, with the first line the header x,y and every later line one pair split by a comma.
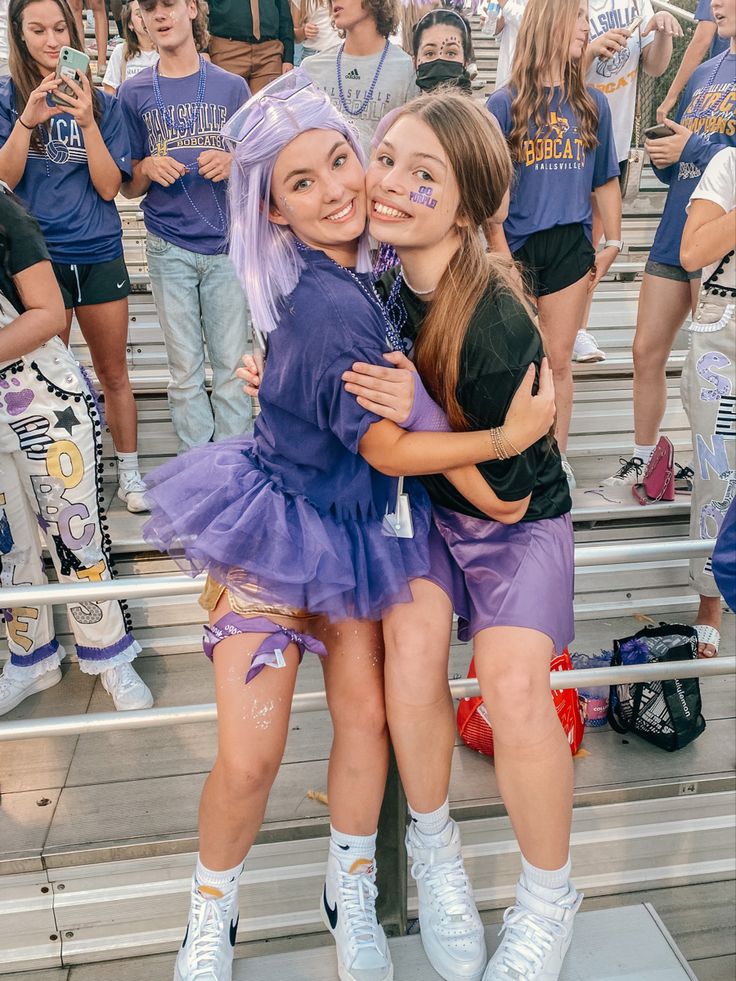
x,y
199,301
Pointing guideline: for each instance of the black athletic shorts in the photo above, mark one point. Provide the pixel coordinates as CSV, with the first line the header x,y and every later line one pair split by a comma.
x,y
95,282
556,258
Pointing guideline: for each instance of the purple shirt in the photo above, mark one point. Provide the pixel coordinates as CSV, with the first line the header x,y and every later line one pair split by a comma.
x,y
556,175
79,226
192,213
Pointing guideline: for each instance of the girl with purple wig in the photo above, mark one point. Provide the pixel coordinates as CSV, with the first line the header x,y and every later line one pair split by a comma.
x,y
297,532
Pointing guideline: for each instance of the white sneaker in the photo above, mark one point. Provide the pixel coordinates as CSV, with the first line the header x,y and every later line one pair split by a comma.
x,y
451,930
131,491
536,937
585,349
129,691
15,690
568,471
206,953
629,473
348,911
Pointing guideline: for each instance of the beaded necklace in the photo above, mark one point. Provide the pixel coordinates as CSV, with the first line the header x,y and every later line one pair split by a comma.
x,y
184,128
371,89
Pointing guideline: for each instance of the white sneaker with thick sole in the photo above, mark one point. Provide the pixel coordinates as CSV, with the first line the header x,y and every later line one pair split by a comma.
x,y
536,937
585,350
129,691
131,491
629,473
451,930
206,953
348,911
15,690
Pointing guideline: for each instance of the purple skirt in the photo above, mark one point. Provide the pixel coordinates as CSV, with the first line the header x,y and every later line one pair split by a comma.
x,y
518,575
215,510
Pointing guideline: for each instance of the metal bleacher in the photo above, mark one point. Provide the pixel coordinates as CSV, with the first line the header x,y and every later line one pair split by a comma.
x,y
97,831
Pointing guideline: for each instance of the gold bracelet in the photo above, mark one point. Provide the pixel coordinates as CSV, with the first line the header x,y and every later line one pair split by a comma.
x,y
498,448
504,434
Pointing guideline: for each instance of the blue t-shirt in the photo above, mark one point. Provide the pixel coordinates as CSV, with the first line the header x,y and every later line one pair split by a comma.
x,y
192,213
556,176
56,187
704,11
707,108
308,431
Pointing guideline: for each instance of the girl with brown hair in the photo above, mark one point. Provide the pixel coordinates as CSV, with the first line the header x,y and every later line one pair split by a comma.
x,y
135,53
561,140
66,163
440,172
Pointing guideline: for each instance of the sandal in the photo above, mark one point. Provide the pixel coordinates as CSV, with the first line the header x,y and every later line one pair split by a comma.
x,y
684,480
707,637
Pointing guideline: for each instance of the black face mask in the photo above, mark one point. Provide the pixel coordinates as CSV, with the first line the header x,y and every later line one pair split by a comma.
x,y
442,72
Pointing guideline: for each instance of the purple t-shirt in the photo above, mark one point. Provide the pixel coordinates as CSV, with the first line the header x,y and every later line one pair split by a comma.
x,y
704,11
79,226
707,108
192,213
309,427
556,175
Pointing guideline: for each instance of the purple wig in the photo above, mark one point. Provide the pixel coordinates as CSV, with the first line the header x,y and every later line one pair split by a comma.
x,y
265,254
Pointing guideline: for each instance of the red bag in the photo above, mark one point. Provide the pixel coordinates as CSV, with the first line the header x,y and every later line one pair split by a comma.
x,y
475,728
659,478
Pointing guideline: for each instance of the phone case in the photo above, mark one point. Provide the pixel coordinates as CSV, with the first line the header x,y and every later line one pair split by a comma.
x,y
71,64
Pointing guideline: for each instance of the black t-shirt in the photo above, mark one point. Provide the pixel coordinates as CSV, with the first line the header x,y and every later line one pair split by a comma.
x,y
501,342
21,245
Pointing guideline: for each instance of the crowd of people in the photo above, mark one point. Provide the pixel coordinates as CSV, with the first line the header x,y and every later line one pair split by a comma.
x,y
418,269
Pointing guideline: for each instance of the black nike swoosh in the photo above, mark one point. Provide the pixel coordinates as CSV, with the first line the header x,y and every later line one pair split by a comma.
x,y
345,848
331,911
234,930
184,941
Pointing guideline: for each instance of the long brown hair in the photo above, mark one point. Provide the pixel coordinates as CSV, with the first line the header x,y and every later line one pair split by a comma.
x,y
482,166
130,35
24,71
543,46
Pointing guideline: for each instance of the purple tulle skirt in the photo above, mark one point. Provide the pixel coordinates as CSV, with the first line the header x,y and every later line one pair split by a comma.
x,y
214,509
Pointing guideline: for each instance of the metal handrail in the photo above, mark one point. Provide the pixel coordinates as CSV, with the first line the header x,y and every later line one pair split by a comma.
x,y
316,701
671,8
141,587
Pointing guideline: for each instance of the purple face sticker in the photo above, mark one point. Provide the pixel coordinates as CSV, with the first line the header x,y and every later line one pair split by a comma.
x,y
423,196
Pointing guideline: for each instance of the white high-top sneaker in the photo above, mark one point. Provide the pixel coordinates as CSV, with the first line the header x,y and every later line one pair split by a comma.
x,y
348,911
451,930
206,953
15,690
536,936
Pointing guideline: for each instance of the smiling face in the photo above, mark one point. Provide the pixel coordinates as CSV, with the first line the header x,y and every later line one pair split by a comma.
x,y
724,12
440,41
45,33
318,191
168,22
413,197
580,36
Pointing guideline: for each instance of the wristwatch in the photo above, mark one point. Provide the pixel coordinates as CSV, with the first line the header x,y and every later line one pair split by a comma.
x,y
614,243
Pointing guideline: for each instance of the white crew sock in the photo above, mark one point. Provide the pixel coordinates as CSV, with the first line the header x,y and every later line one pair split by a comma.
x,y
433,823
127,461
549,884
644,452
354,852
211,883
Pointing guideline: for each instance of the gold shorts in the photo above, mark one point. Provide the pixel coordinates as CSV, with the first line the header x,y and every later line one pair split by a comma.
x,y
244,599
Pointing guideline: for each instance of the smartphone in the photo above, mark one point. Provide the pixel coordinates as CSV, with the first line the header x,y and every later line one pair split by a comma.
x,y
634,24
658,132
71,64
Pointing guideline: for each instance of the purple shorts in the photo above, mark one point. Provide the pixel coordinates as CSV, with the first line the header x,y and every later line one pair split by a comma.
x,y
518,575
446,573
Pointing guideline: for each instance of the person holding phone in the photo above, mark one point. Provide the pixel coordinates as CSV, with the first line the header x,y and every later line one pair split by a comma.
x,y
66,162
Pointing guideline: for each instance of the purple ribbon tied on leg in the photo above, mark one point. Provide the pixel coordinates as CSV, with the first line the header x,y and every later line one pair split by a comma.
x,y
271,651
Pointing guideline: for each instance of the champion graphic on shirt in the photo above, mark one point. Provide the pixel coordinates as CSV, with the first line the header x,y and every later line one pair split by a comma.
x,y
558,149
712,112
354,74
65,143
201,126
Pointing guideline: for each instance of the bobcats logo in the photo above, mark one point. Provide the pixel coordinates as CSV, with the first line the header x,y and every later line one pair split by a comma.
x,y
558,125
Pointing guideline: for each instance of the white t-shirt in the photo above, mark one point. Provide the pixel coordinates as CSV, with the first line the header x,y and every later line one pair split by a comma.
x,y
512,14
616,77
4,35
328,37
394,86
114,74
718,184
